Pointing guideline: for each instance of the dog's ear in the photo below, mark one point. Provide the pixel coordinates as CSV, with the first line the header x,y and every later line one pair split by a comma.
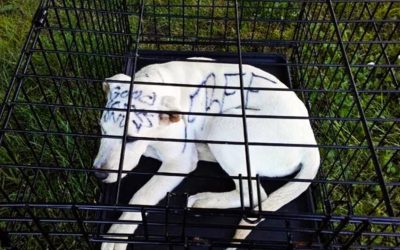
x,y
120,78
106,87
169,103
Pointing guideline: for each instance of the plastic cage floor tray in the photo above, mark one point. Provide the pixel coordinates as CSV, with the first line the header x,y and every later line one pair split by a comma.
x,y
271,63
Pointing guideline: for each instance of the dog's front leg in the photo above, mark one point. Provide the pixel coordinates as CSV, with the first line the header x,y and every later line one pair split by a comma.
x,y
150,194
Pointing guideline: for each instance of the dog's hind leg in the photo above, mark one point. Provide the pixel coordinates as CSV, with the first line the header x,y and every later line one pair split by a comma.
x,y
286,193
229,199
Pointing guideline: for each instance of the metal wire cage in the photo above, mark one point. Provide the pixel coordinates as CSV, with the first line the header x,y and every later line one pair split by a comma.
x,y
341,58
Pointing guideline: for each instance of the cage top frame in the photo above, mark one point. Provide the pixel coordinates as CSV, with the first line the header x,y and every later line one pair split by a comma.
x,y
341,46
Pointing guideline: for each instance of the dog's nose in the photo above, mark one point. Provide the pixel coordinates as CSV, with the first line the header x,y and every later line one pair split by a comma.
x,y
101,175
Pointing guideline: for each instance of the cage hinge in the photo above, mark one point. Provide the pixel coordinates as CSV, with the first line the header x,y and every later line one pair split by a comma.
x,y
40,17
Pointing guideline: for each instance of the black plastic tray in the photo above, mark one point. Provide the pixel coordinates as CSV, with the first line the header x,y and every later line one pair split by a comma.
x,y
271,63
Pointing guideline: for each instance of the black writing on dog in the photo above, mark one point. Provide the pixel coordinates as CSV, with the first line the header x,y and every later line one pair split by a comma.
x,y
139,119
217,101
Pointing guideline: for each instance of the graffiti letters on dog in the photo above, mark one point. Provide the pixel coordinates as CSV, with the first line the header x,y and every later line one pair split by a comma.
x,y
139,119
220,101
215,101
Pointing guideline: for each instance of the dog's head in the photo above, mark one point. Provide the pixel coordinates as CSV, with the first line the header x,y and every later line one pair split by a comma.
x,y
140,124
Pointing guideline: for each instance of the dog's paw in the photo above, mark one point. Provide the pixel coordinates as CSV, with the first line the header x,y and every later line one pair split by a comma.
x,y
200,200
113,246
118,229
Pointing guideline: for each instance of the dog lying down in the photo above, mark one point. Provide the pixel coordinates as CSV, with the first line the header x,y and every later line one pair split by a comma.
x,y
180,157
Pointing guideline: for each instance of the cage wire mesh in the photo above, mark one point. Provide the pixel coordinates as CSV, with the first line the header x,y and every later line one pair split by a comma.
x,y
341,59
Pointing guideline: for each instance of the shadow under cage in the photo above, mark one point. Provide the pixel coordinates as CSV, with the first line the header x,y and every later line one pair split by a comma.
x,y
340,57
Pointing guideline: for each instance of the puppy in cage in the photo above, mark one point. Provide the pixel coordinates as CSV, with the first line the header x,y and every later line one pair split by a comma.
x,y
260,129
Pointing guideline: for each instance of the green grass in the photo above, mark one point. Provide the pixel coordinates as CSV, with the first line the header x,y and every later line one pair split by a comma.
x,y
15,21
69,151
48,186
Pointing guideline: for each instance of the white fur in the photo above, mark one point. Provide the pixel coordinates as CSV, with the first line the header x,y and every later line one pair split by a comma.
x,y
178,157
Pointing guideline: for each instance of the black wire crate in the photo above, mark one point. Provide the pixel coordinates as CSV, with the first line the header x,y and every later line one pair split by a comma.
x,y
341,58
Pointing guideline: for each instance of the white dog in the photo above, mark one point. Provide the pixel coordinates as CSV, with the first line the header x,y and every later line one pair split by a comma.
x,y
180,157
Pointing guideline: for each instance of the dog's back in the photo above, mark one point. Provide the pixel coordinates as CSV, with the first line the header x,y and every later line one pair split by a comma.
x,y
193,73
217,86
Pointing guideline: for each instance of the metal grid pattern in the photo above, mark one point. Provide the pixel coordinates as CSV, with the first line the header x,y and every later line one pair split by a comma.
x,y
343,60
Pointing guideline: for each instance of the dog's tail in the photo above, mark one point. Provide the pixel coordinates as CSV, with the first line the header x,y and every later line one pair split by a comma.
x,y
288,192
